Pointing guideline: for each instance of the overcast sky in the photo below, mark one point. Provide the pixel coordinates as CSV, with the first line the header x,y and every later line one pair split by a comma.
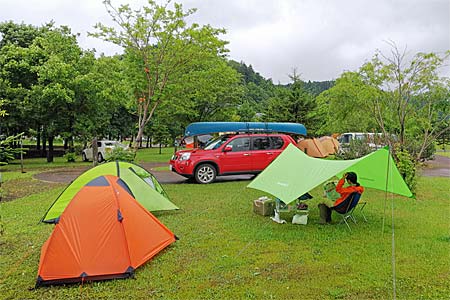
x,y
320,38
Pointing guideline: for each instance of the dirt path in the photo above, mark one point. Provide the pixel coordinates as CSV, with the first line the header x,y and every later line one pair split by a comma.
x,y
440,166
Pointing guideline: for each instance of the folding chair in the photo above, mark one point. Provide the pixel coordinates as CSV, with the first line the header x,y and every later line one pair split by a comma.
x,y
347,207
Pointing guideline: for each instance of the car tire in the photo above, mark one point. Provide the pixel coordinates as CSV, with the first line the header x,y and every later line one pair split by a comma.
x,y
205,173
99,158
83,157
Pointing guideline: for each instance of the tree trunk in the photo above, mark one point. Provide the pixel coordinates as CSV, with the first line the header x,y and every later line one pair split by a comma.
x,y
160,145
138,137
50,149
44,144
38,139
94,151
71,146
148,141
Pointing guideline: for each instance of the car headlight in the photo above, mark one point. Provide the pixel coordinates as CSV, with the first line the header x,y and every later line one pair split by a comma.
x,y
185,156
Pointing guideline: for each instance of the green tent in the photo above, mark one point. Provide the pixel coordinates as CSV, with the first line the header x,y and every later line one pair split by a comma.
x,y
293,173
144,186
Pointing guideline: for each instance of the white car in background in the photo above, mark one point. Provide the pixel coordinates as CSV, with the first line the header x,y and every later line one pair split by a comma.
x,y
104,150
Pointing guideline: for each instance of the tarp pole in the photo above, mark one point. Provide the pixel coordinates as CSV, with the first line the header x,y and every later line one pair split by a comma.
x,y
388,172
386,188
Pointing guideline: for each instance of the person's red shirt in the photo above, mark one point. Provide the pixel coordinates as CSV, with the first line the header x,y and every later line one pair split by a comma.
x,y
346,191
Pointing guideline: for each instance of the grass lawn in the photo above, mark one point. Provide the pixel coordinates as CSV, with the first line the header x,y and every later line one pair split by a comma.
x,y
442,153
226,251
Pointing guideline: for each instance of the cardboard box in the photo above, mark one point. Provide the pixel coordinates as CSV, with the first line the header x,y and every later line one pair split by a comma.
x,y
264,206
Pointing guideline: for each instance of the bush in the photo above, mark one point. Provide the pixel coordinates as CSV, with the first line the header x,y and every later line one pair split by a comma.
x,y
70,156
356,149
407,166
121,154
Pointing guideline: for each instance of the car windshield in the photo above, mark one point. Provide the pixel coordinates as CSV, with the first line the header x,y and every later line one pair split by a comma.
x,y
217,142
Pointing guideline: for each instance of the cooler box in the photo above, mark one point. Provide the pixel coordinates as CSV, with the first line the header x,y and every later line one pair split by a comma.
x,y
264,206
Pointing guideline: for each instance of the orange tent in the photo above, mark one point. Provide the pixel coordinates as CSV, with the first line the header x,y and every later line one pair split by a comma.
x,y
330,144
312,147
103,233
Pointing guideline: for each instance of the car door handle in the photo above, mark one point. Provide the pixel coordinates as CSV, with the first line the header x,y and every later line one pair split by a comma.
x,y
269,153
246,154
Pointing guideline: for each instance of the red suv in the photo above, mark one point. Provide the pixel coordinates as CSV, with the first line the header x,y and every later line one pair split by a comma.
x,y
230,155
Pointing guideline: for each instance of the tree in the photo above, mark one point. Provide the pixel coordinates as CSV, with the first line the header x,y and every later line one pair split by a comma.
x,y
294,104
16,72
210,91
162,46
344,107
411,92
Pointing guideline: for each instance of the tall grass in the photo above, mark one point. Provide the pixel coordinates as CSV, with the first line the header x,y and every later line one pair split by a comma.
x,y
226,251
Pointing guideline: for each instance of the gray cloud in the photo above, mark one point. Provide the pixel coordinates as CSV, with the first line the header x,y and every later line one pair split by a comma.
x,y
320,38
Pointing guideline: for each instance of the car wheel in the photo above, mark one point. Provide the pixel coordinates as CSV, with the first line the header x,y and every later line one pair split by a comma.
x,y
205,173
100,157
83,157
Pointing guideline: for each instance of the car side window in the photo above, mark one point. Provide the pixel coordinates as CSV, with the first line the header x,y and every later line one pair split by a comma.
x,y
277,142
260,143
240,144
99,144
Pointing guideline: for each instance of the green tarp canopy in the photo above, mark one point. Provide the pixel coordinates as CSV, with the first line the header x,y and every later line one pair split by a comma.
x,y
144,186
293,173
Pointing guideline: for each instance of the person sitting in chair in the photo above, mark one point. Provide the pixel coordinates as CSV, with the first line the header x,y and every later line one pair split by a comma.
x,y
344,192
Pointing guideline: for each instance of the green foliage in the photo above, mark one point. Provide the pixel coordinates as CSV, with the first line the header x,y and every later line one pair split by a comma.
x,y
407,167
355,149
345,106
2,111
209,91
121,154
7,151
413,99
70,157
317,87
294,104
160,47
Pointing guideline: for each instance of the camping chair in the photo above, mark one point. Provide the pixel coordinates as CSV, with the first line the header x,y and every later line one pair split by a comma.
x,y
347,207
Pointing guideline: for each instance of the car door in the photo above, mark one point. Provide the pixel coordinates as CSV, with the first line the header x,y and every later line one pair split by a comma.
x,y
261,152
277,145
238,159
88,152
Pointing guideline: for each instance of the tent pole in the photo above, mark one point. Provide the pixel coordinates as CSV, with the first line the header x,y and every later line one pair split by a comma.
x,y
388,172
394,291
386,188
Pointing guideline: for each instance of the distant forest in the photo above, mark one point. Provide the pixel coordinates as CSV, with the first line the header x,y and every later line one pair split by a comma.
x,y
251,77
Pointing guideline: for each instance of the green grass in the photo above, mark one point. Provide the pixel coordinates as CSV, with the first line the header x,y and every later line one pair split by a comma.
x,y
152,155
32,164
226,251
441,153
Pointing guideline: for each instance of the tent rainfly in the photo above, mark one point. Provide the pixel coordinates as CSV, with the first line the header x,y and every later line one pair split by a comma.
x,y
293,173
143,185
312,147
104,233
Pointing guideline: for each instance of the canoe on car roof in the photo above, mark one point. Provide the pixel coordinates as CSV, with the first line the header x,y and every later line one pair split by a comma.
x,y
200,128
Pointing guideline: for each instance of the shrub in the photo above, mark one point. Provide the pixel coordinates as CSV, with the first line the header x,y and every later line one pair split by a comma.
x,y
355,149
121,154
407,166
70,156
